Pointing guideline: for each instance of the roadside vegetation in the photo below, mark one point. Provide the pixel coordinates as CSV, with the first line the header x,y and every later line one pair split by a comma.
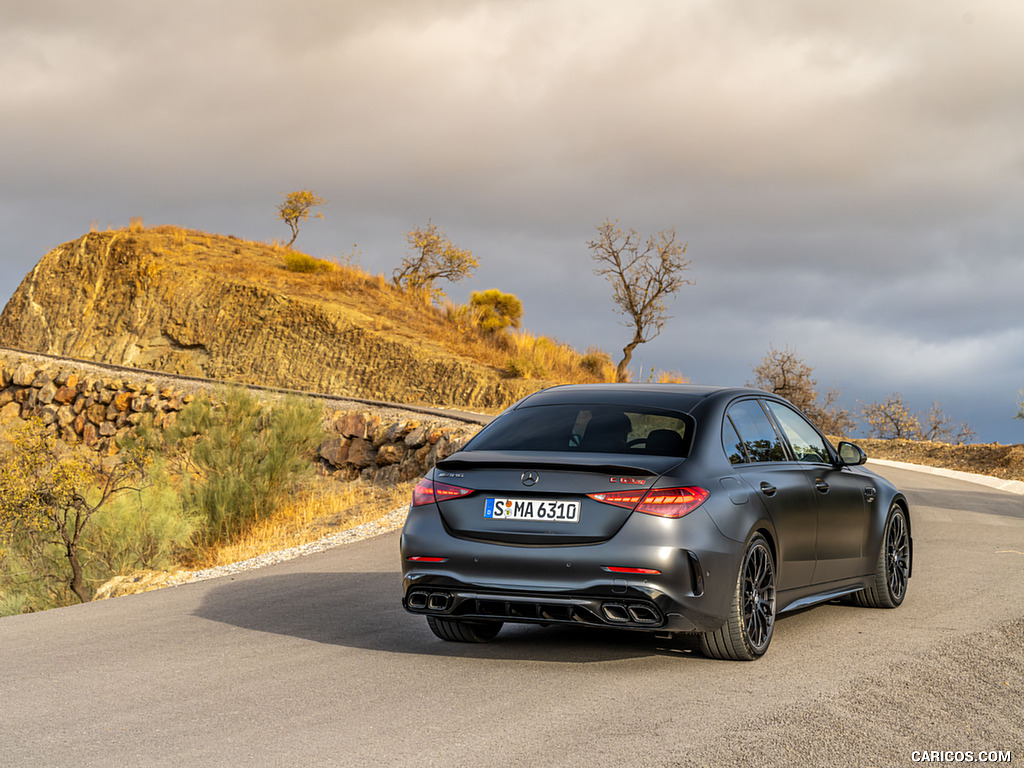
x,y
225,483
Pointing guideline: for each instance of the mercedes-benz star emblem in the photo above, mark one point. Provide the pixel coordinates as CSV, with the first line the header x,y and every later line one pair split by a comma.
x,y
530,478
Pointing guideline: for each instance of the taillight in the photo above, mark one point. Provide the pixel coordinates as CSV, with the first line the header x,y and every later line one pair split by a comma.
x,y
624,569
427,491
627,499
663,502
672,502
423,559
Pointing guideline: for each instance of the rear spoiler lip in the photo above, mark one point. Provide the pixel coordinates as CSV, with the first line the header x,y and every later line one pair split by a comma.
x,y
569,462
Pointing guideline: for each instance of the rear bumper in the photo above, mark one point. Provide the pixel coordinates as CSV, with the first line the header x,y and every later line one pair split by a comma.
x,y
620,611
571,584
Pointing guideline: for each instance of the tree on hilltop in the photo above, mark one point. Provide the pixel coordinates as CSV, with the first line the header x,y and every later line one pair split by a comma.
x,y
296,207
432,257
643,275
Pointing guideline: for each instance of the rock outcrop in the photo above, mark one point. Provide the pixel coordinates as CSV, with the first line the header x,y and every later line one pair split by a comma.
x,y
133,298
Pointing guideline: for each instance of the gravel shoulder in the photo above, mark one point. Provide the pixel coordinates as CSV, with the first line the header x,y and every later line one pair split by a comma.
x,y
974,682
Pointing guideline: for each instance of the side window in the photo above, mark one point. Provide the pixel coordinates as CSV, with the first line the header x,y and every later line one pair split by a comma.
x,y
732,443
756,433
807,444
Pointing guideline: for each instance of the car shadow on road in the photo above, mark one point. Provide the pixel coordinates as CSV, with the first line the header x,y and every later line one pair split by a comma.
x,y
363,610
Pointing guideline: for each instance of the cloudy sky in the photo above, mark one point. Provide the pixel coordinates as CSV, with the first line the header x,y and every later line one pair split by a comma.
x,y
849,176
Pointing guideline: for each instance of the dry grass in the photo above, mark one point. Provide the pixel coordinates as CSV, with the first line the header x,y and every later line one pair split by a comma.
x,y
385,307
994,460
325,507
670,377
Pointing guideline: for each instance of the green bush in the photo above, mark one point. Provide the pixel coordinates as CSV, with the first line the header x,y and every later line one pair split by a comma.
x,y
495,310
143,530
244,457
301,262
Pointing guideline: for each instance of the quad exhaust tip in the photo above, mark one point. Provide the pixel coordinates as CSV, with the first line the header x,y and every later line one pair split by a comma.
x,y
439,601
641,614
618,613
434,601
615,612
429,600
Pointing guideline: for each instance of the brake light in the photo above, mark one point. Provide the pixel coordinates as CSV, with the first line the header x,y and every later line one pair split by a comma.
x,y
427,491
627,499
663,502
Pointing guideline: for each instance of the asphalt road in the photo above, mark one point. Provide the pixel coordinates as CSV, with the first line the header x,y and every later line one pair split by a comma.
x,y
313,662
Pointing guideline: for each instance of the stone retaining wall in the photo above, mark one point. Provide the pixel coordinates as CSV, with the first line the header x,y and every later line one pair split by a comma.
x,y
364,445
82,408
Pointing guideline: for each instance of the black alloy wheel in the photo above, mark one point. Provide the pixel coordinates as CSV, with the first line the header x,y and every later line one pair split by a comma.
x,y
748,631
892,571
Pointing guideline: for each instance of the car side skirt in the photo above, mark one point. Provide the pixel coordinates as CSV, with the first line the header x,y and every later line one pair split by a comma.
x,y
802,597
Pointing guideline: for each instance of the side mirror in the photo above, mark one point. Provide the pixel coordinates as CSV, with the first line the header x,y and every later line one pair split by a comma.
x,y
851,455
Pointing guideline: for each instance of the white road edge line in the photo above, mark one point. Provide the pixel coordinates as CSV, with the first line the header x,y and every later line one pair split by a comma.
x,y
1009,486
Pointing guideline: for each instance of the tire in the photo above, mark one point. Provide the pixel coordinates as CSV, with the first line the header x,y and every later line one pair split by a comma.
x,y
893,568
459,631
746,634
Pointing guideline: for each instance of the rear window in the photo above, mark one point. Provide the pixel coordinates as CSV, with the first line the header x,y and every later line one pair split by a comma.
x,y
587,429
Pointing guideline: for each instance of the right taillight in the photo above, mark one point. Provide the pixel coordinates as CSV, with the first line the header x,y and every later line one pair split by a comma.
x,y
427,492
663,502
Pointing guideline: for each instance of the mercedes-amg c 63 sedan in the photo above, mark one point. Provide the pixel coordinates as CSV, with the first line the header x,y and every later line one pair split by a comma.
x,y
665,508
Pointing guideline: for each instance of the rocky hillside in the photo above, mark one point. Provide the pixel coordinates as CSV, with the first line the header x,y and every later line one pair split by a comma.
x,y
215,306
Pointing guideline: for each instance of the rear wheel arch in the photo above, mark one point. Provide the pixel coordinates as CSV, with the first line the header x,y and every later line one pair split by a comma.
x,y
748,628
772,546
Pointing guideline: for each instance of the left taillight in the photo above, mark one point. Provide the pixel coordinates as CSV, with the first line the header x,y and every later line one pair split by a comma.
x,y
427,492
663,502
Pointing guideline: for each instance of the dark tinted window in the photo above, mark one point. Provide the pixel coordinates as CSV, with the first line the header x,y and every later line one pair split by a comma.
x,y
586,429
804,439
757,435
732,443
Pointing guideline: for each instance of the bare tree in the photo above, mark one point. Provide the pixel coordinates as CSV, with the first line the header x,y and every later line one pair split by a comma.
x,y
891,419
643,275
941,427
784,373
432,257
297,207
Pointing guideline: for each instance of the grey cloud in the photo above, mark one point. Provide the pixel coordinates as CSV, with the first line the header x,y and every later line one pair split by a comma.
x,y
848,175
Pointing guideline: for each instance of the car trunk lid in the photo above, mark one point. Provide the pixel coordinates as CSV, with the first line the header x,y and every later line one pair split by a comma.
x,y
538,499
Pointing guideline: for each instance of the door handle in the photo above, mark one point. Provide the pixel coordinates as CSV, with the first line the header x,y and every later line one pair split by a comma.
x,y
821,485
768,489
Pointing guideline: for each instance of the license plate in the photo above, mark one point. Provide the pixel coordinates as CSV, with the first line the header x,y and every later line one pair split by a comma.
x,y
546,511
